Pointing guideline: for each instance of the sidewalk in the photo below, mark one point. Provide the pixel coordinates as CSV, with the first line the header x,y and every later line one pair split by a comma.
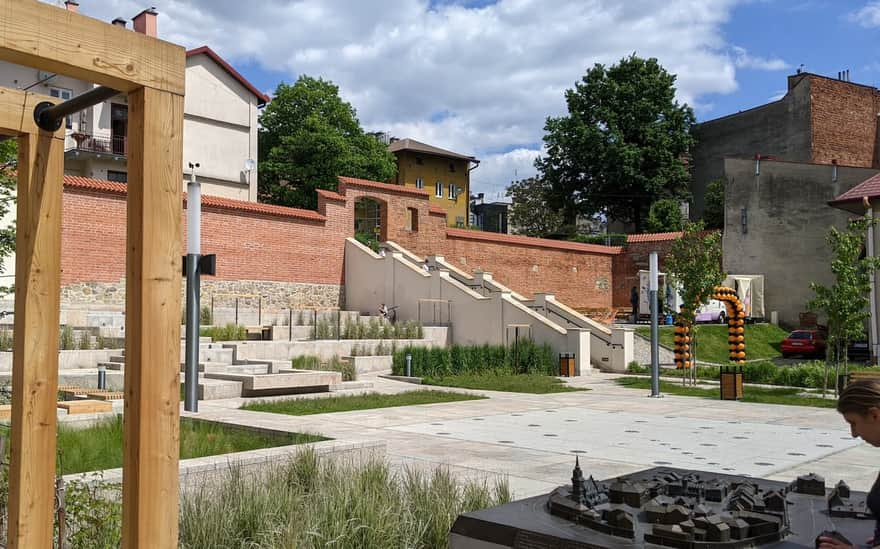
x,y
533,439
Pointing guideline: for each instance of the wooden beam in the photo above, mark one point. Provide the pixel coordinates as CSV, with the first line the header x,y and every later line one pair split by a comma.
x,y
39,35
17,112
35,346
150,481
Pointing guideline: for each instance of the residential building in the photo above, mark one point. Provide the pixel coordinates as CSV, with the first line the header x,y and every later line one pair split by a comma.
x,y
490,216
444,174
219,128
820,120
220,121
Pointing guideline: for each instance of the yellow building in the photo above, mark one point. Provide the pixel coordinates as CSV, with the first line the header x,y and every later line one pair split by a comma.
x,y
444,174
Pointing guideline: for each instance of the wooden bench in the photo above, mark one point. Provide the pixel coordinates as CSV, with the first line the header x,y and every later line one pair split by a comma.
x,y
86,406
106,395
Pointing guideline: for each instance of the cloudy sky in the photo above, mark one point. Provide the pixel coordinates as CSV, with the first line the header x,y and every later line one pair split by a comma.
x,y
481,76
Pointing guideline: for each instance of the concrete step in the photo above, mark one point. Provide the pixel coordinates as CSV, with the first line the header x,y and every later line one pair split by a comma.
x,y
215,389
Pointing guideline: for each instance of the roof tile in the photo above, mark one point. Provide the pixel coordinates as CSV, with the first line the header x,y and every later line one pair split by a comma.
x,y
208,201
387,187
531,241
869,188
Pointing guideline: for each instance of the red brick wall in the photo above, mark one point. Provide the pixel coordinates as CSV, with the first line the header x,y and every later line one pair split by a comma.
x,y
844,120
249,246
292,248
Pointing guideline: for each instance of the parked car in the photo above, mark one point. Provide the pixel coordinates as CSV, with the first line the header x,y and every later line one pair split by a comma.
x,y
858,351
713,311
804,342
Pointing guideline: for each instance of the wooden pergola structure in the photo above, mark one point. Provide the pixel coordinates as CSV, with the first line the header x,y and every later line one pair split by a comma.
x,y
151,72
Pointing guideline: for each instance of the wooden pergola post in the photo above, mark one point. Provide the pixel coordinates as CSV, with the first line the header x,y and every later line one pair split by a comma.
x,y
151,72
35,347
152,317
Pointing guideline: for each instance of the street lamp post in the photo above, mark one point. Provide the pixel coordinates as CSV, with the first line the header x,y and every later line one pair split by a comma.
x,y
193,253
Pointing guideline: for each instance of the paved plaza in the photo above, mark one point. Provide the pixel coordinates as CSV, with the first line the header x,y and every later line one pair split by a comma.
x,y
532,439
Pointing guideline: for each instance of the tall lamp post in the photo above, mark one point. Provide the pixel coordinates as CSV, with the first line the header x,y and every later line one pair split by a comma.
x,y
193,253
655,331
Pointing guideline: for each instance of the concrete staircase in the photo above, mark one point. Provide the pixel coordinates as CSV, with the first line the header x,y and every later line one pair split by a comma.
x,y
476,308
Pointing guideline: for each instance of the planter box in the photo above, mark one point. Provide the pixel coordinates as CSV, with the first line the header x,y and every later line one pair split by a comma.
x,y
370,364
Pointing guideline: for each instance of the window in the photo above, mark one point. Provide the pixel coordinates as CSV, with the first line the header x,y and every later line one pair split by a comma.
x,y
459,221
119,177
452,191
438,189
63,94
451,166
412,219
419,183
419,160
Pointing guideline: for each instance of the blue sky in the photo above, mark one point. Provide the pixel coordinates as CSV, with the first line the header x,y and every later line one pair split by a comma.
x,y
480,76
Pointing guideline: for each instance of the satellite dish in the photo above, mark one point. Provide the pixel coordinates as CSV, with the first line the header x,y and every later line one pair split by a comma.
x,y
249,165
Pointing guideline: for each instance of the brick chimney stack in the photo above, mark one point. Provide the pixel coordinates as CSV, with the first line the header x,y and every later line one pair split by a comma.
x,y
72,5
145,22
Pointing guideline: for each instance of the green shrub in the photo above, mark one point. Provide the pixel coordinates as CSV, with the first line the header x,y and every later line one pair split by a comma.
x,y
305,362
299,318
85,340
67,342
206,317
525,358
613,239
100,343
94,514
230,332
6,340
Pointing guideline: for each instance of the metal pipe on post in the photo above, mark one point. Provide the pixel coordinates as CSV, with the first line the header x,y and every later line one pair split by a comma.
x,y
50,117
873,334
653,286
193,253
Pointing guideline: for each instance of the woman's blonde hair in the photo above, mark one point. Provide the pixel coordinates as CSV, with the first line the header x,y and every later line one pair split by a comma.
x,y
859,397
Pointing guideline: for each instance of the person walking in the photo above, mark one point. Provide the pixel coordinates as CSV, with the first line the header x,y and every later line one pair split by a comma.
x,y
634,302
859,403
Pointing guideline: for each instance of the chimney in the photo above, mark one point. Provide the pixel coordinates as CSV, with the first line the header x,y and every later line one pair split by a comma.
x,y
72,5
145,22
119,22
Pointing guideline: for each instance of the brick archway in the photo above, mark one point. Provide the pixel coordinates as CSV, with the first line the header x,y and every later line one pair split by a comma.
x,y
371,217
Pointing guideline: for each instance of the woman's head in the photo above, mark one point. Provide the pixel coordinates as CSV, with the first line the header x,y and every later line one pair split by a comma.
x,y
859,403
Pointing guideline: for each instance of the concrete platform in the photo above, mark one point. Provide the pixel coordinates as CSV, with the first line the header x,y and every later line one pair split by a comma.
x,y
282,383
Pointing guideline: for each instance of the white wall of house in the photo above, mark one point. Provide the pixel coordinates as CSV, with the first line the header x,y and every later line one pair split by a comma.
x,y
220,131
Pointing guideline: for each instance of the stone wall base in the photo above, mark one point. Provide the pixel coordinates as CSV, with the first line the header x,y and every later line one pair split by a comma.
x,y
251,294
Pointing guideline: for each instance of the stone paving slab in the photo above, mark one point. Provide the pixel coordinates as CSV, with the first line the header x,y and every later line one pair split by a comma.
x,y
780,441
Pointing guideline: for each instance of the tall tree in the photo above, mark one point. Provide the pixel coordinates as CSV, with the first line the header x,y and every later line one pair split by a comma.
x,y
530,215
622,145
665,216
308,137
694,263
713,211
846,302
8,159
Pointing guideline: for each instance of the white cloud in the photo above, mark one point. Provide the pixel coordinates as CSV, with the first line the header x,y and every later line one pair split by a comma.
x,y
778,95
497,71
744,60
868,16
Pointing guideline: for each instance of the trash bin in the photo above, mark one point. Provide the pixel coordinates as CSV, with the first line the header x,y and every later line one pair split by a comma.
x,y
731,381
566,364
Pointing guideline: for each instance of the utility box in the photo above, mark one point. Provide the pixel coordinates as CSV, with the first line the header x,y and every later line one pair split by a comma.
x,y
731,381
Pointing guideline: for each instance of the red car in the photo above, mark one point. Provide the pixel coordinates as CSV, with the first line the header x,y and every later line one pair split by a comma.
x,y
804,342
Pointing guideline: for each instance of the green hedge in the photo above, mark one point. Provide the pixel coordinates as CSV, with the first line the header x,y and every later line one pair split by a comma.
x,y
230,332
613,239
525,358
805,374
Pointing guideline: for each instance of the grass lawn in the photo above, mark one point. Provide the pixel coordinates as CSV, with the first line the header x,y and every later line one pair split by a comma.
x,y
100,446
524,383
762,341
308,406
750,394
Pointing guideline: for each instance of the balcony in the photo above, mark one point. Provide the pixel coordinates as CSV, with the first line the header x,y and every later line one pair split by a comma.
x,y
115,145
